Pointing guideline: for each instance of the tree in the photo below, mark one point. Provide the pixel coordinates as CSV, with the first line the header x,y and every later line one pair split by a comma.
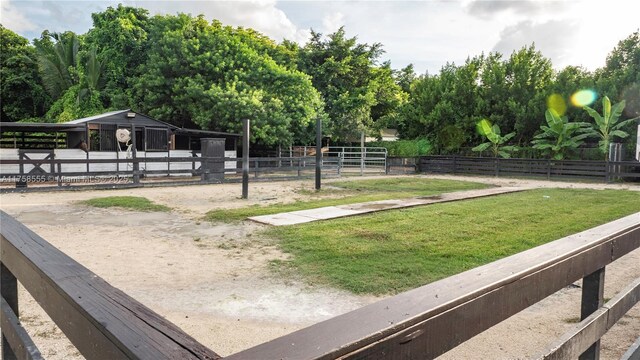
x,y
496,141
608,125
72,77
214,76
620,78
389,96
120,37
57,61
345,73
21,93
560,136
528,76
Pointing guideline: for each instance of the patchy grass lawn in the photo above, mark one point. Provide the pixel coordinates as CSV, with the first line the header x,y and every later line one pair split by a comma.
x,y
351,192
137,203
393,251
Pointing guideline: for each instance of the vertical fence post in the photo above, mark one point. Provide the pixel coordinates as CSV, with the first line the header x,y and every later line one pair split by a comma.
x,y
9,291
548,169
454,164
318,153
592,300
59,173
134,155
245,159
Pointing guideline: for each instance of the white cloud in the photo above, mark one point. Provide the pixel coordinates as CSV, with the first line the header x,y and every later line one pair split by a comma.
x,y
553,38
13,19
263,16
332,22
426,33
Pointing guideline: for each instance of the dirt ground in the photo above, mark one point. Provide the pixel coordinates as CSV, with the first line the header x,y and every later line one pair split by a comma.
x,y
214,281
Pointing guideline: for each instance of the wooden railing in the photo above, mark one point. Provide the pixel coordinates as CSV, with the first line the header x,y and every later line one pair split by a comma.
x,y
100,320
422,323
540,168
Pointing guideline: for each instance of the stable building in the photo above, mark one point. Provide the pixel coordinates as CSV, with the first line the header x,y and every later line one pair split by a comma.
x,y
122,134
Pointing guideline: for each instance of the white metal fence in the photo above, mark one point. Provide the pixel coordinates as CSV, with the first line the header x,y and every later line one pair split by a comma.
x,y
348,159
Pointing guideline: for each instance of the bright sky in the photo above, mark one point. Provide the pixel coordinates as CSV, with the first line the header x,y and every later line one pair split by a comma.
x,y
425,33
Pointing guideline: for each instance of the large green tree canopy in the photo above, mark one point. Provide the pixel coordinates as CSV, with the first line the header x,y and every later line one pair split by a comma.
x,y
357,92
197,73
22,95
215,76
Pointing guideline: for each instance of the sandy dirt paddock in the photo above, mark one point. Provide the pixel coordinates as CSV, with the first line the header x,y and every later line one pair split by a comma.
x,y
214,281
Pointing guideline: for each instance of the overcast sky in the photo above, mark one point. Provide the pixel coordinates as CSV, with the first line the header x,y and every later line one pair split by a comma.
x,y
425,33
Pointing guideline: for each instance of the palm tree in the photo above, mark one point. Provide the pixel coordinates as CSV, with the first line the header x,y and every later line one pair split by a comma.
x,y
560,135
56,63
92,78
608,125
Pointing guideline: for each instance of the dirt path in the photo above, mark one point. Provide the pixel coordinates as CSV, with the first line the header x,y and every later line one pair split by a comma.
x,y
214,281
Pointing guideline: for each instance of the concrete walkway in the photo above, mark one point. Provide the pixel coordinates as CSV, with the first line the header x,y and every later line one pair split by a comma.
x,y
333,212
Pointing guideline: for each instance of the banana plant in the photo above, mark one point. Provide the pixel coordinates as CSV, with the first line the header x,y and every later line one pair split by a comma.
x,y
560,136
496,140
608,125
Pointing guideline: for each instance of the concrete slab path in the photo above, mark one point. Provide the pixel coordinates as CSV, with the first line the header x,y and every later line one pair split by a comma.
x,y
333,212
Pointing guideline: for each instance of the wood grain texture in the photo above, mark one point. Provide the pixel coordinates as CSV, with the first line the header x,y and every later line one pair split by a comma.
x,y
579,338
100,320
430,320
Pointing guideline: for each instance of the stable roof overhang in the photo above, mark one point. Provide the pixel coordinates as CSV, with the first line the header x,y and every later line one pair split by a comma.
x,y
38,127
184,131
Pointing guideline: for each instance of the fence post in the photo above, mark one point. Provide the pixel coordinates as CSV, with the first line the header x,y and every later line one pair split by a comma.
x,y
9,291
592,300
607,173
497,166
59,173
245,159
134,155
454,164
318,153
548,169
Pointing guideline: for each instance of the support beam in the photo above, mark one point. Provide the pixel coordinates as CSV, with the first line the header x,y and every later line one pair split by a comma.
x,y
318,153
134,156
592,300
245,158
9,292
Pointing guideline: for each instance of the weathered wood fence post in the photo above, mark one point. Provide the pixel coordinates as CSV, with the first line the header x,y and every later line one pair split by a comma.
x,y
318,153
245,158
592,300
9,292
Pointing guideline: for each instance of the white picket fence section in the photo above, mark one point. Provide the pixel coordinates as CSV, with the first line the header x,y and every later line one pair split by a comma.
x,y
78,154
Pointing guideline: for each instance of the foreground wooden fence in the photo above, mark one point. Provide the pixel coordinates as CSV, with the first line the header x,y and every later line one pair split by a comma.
x,y
540,168
104,323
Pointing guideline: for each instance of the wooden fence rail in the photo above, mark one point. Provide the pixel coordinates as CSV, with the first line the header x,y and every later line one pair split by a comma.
x,y
542,168
422,323
100,320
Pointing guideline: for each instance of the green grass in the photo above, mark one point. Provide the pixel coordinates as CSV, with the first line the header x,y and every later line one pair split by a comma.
x,y
351,192
393,251
127,202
